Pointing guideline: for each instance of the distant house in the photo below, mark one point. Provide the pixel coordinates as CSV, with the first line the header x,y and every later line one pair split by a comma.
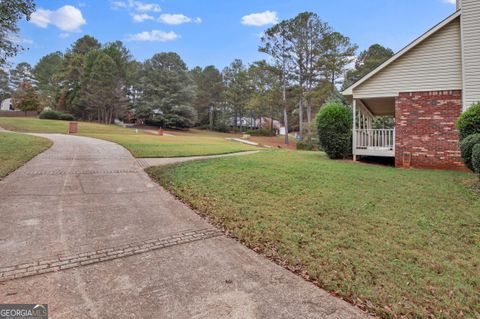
x,y
425,87
6,105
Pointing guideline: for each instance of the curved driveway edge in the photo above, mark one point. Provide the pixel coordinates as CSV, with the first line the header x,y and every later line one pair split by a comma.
x,y
86,199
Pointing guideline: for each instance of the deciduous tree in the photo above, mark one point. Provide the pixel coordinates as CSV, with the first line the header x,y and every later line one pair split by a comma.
x,y
25,98
11,12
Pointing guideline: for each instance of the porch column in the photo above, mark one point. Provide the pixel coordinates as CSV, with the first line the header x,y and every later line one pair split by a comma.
x,y
354,135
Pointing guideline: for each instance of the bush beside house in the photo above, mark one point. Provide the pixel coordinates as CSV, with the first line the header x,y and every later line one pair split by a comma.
x,y
469,121
334,123
469,127
466,148
476,159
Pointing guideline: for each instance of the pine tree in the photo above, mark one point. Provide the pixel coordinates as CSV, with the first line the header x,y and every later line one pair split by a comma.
x,y
101,88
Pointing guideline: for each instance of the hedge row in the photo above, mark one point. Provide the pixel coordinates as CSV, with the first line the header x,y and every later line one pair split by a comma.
x,y
54,115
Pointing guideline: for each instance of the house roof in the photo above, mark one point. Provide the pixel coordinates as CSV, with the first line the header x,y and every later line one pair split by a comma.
x,y
426,35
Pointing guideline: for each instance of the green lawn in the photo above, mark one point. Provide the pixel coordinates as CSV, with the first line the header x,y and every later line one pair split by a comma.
x,y
400,243
192,143
17,149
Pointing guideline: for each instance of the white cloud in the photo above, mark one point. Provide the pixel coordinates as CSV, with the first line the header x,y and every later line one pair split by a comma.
x,y
450,1
147,7
137,6
64,35
176,19
67,18
153,36
140,17
260,19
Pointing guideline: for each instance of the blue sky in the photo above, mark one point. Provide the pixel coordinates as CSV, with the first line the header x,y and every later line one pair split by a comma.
x,y
206,32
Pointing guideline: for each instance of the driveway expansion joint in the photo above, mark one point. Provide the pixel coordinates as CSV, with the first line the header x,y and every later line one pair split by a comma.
x,y
59,263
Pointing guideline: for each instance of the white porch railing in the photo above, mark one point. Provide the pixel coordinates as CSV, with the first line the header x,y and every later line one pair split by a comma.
x,y
375,142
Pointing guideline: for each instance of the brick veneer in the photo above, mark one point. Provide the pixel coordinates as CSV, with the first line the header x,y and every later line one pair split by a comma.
x,y
426,136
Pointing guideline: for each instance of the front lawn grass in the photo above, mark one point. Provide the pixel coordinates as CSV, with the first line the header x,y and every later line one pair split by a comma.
x,y
17,149
400,243
142,144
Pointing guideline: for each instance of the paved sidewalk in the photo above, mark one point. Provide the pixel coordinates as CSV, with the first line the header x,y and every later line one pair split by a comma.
x,y
85,230
148,162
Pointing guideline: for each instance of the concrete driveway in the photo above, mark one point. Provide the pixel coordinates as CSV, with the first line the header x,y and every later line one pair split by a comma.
x,y
84,229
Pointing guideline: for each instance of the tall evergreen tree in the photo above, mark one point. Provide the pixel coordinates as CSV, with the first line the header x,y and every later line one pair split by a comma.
x,y
165,84
266,100
21,73
208,94
73,71
275,44
101,91
338,52
366,62
238,90
47,73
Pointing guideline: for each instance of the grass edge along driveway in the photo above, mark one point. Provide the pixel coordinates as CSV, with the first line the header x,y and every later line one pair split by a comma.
x,y
191,143
17,149
399,243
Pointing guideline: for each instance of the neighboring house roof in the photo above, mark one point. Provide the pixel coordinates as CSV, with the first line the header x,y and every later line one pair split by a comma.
x,y
401,53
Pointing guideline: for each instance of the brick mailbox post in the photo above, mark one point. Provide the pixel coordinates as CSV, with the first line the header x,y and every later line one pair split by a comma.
x,y
72,128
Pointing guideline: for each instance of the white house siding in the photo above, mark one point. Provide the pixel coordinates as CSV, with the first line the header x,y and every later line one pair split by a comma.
x,y
471,51
433,65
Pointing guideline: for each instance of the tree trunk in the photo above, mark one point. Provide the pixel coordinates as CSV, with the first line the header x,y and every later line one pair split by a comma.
x,y
309,112
211,117
271,118
300,116
285,120
309,116
285,111
241,121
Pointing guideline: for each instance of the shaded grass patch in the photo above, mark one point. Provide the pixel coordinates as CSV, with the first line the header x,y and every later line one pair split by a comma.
x,y
396,242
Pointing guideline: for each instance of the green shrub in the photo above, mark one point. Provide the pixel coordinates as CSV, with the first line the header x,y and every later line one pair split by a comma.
x,y
182,116
156,121
66,117
49,115
260,132
54,115
466,147
469,122
221,127
476,159
307,145
334,123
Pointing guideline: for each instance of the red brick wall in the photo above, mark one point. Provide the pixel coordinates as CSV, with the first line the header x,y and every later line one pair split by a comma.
x,y
426,136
